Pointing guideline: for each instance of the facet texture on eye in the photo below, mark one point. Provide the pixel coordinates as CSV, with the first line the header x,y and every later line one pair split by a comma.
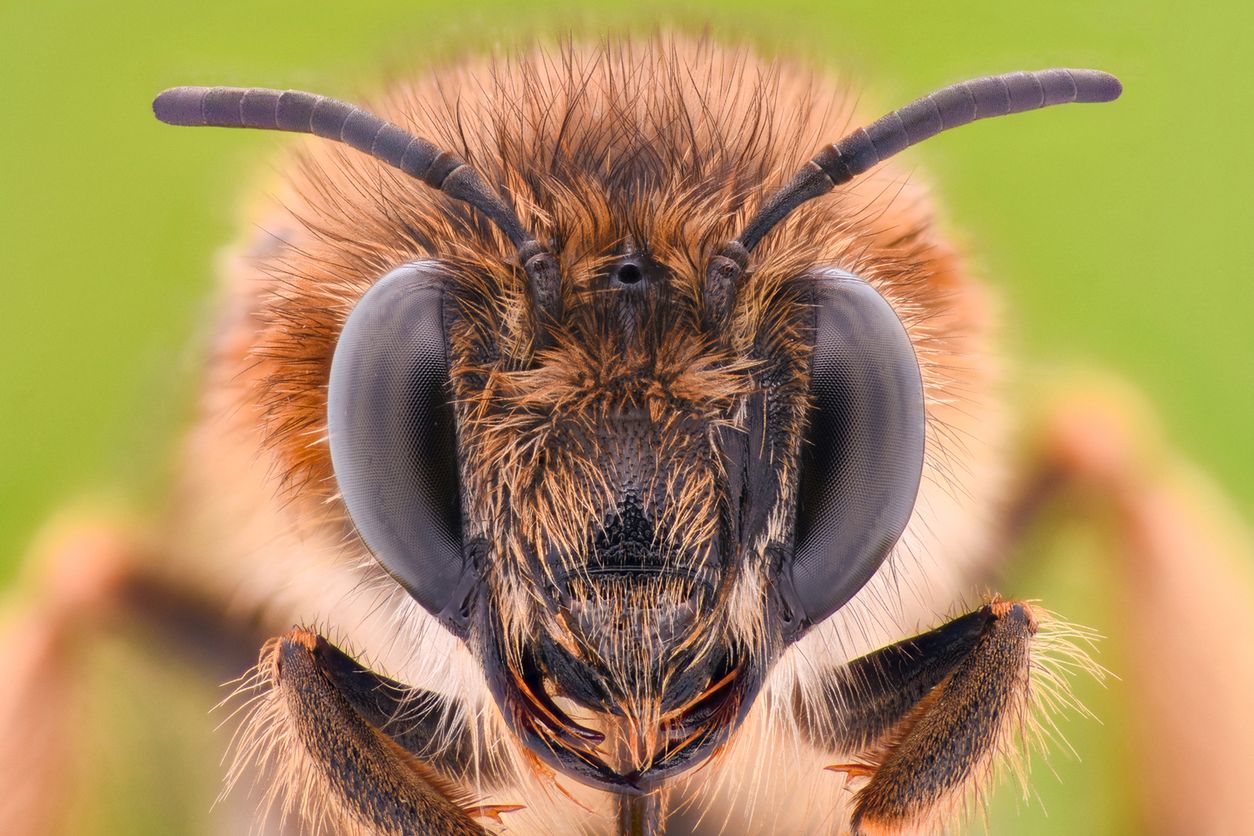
x,y
862,458
392,433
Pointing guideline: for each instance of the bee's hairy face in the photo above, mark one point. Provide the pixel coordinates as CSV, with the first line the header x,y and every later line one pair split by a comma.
x,y
603,504
619,491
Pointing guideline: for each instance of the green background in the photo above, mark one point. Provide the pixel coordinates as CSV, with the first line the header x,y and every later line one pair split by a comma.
x,y
1118,235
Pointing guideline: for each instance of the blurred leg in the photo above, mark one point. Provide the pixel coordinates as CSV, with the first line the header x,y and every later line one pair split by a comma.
x,y
91,579
1186,609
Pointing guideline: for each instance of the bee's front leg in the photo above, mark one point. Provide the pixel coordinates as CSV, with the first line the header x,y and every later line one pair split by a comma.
x,y
355,748
923,718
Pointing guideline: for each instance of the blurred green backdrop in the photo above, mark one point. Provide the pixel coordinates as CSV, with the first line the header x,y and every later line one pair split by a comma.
x,y
1117,234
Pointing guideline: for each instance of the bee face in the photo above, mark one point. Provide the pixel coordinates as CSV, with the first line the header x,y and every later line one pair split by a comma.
x,y
615,483
625,461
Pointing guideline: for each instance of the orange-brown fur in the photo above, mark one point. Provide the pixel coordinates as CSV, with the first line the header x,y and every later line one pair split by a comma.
x,y
717,131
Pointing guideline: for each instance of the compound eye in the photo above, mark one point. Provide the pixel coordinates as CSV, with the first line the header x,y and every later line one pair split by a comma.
x,y
862,459
393,436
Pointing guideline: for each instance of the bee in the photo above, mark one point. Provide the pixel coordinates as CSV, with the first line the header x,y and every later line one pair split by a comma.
x,y
609,453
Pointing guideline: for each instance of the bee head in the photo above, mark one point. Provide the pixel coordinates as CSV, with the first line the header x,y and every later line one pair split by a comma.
x,y
624,452
629,517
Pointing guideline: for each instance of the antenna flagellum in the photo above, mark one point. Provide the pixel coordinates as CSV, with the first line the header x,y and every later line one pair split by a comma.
x,y
300,112
949,107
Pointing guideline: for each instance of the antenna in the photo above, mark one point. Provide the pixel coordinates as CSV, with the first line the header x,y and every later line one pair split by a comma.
x,y
299,112
840,162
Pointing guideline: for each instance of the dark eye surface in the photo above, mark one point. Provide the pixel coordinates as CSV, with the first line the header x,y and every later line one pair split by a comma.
x,y
392,434
863,456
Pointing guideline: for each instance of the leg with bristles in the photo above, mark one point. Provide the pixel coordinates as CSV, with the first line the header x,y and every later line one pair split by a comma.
x,y
1181,602
356,750
924,718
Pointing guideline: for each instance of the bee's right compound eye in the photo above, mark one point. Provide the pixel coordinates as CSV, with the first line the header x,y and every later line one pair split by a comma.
x,y
393,437
862,460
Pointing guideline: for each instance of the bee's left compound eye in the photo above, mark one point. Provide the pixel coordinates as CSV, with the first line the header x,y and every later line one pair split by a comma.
x,y
863,455
393,437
